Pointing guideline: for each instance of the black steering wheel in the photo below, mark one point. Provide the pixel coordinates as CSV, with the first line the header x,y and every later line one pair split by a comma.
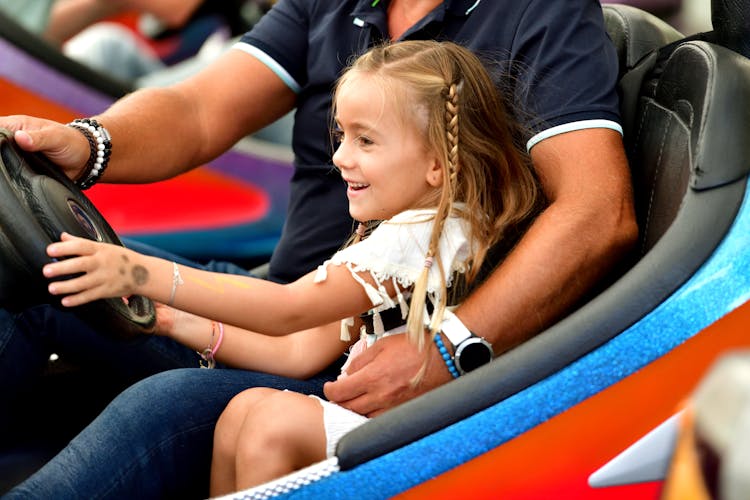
x,y
37,203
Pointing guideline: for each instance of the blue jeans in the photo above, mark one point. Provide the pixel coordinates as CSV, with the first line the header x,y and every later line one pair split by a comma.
x,y
154,439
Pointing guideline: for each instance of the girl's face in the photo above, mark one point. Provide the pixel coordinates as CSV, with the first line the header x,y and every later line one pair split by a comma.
x,y
383,158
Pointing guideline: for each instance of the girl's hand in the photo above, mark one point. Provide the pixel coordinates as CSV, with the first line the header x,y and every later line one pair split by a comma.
x,y
172,322
186,328
166,319
91,270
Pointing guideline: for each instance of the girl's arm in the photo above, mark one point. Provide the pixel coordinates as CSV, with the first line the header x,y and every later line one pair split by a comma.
x,y
255,304
299,355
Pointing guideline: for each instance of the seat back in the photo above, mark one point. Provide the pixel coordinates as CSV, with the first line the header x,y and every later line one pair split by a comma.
x,y
635,33
731,21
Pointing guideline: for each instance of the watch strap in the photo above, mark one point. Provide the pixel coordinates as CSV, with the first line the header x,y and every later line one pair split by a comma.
x,y
454,330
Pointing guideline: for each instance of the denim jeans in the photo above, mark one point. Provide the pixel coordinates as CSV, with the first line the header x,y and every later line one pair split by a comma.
x,y
154,439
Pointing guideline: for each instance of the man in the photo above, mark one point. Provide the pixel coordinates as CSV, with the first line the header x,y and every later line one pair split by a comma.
x,y
565,73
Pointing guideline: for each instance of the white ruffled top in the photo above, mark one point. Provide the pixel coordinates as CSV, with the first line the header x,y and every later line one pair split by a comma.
x,y
396,251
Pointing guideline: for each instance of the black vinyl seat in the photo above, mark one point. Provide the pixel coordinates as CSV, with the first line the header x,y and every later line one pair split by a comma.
x,y
635,33
687,107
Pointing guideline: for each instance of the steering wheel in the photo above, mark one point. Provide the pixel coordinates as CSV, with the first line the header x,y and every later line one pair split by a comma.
x,y
37,203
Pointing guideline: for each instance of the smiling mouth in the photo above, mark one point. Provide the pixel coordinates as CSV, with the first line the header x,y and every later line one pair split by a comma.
x,y
357,186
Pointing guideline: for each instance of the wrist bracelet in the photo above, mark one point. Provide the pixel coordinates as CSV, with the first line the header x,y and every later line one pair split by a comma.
x,y
100,146
208,359
176,280
446,355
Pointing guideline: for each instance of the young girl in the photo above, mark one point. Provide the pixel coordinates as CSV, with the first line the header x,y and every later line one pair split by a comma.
x,y
427,147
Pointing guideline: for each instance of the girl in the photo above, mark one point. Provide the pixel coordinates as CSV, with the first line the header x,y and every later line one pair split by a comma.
x,y
427,146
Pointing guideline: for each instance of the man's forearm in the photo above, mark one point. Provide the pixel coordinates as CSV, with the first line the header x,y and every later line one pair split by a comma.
x,y
587,228
154,136
540,281
161,132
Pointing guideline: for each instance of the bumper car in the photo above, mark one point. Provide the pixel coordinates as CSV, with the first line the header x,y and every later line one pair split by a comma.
x,y
592,407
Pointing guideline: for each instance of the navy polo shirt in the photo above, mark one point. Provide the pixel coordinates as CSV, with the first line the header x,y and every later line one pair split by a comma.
x,y
558,54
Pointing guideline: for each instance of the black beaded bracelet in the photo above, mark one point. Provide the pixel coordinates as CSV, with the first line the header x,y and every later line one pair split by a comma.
x,y
100,144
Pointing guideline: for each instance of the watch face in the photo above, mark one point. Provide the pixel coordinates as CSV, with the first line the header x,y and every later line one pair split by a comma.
x,y
472,354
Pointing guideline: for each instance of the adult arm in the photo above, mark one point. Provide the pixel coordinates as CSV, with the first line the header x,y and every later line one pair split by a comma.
x,y
161,132
69,17
588,225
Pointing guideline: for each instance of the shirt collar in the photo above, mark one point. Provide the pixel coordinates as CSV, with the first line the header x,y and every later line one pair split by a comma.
x,y
365,10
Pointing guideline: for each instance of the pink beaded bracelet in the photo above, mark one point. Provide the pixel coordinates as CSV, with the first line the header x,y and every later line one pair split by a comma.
x,y
208,359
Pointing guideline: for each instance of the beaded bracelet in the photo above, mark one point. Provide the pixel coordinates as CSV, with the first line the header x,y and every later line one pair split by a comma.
x,y
100,145
209,353
446,355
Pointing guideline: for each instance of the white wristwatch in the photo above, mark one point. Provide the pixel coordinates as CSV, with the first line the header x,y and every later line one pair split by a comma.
x,y
469,351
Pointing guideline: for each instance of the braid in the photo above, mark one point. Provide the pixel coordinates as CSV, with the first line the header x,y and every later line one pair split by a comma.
x,y
451,129
415,325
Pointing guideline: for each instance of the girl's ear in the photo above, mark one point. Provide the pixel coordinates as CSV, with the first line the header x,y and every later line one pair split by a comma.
x,y
435,174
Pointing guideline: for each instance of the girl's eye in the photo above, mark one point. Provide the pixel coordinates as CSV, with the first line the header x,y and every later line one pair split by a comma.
x,y
364,141
338,135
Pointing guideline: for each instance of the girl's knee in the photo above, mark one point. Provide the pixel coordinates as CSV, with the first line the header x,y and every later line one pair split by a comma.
x,y
285,422
249,398
241,408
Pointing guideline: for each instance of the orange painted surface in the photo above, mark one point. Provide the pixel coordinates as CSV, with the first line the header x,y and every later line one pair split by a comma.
x,y
555,459
15,100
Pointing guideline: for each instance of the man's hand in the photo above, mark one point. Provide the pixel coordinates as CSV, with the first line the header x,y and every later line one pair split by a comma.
x,y
381,377
65,146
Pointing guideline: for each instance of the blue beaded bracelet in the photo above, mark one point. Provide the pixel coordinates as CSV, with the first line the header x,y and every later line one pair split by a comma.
x,y
446,356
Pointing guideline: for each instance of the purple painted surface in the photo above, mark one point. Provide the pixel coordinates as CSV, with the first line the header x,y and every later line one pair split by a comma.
x,y
27,72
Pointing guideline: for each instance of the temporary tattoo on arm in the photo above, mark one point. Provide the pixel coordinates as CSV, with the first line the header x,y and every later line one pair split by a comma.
x,y
122,269
219,281
140,275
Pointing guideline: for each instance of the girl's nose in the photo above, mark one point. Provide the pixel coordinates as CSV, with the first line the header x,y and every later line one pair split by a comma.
x,y
340,157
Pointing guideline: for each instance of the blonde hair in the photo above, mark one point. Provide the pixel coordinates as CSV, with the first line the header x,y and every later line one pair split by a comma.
x,y
447,93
